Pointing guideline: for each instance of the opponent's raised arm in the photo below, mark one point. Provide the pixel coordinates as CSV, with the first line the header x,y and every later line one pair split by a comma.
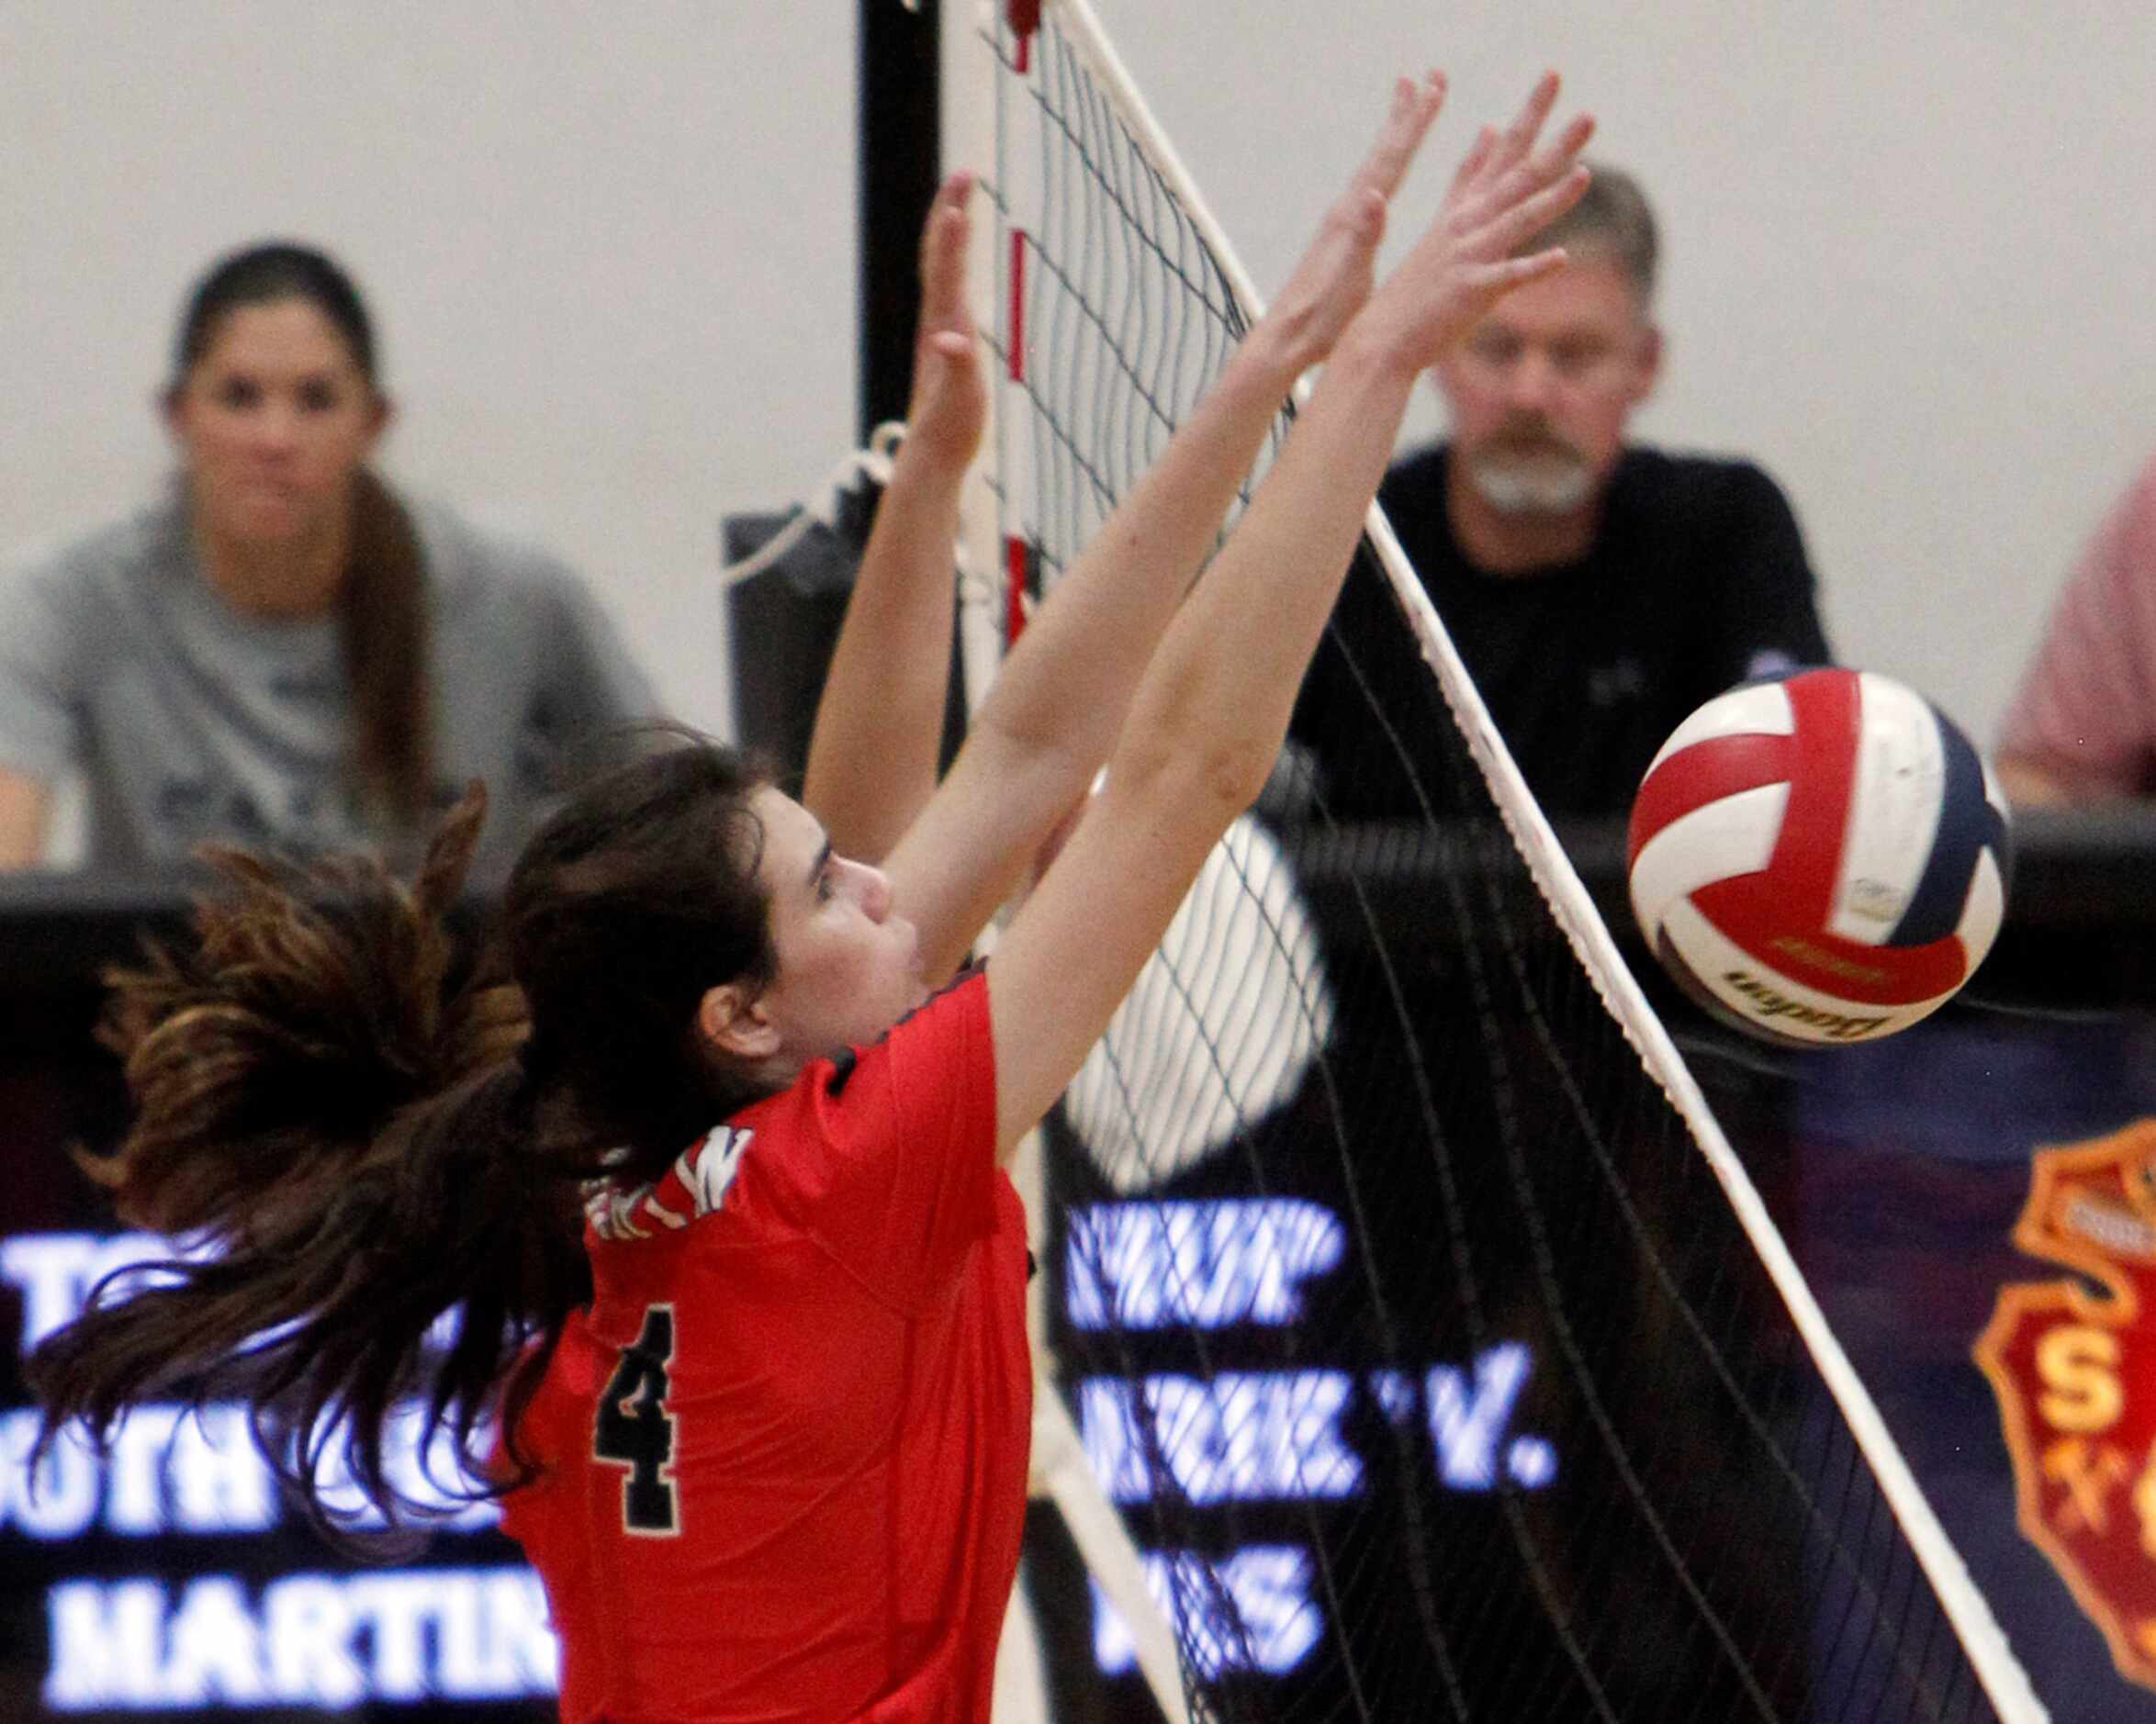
x,y
879,729
1210,716
1061,696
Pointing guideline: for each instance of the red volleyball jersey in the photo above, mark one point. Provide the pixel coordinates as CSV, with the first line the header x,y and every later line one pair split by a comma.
x,y
785,1447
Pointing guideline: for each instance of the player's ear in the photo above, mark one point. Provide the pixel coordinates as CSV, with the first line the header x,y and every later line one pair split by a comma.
x,y
731,1022
1649,371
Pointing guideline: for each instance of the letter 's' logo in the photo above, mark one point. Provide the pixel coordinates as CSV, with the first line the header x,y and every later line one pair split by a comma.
x,y
2073,1364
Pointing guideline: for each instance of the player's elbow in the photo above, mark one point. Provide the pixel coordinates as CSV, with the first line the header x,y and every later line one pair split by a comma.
x,y
1206,781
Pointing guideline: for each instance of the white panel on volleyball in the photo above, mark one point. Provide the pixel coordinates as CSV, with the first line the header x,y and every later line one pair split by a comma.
x,y
1731,835
1762,710
1985,906
1889,830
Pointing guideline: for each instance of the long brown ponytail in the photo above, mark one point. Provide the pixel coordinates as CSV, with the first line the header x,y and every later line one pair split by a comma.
x,y
341,1122
382,617
367,1130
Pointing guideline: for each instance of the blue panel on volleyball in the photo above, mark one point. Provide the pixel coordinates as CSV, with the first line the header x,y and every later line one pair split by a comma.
x,y
1969,825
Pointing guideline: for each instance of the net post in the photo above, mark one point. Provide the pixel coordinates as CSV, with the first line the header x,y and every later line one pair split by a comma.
x,y
900,130
999,560
973,133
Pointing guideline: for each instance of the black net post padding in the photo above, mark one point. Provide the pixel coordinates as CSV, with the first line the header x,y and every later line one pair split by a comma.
x,y
899,127
782,623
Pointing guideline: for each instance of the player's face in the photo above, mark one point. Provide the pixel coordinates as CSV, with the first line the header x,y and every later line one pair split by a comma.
x,y
1541,389
848,966
274,422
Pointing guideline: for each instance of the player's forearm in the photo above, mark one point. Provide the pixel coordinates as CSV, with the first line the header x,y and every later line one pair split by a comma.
x,y
1058,704
879,727
1223,683
1068,684
1202,730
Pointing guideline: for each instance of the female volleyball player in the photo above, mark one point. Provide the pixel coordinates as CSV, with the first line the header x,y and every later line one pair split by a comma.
x,y
764,1380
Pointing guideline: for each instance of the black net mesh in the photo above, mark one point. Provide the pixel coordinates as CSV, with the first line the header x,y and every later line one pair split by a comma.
x,y
1402,1318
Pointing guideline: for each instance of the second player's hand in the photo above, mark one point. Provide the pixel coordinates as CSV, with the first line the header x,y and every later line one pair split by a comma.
x,y
1505,192
950,402
1333,278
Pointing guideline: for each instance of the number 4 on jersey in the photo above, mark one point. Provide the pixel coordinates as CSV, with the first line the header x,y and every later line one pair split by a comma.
x,y
635,1429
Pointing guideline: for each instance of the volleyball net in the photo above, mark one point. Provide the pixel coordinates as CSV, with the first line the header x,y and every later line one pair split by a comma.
x,y
1414,1314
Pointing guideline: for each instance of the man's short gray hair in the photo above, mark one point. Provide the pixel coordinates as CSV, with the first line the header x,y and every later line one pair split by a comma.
x,y
1611,219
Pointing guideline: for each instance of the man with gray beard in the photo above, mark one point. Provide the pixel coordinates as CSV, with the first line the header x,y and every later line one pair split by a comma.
x,y
1597,590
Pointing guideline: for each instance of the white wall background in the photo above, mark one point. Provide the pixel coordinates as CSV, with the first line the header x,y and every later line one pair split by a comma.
x,y
610,248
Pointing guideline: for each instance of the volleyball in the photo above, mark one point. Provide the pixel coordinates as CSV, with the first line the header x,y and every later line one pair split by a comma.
x,y
1820,858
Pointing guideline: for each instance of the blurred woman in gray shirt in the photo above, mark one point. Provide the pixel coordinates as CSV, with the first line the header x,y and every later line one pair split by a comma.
x,y
282,650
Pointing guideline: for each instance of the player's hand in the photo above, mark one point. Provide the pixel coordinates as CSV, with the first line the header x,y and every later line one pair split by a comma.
x,y
1333,277
949,401
1505,191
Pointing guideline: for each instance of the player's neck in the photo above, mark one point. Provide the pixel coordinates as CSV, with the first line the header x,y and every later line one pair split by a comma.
x,y
1498,542
287,579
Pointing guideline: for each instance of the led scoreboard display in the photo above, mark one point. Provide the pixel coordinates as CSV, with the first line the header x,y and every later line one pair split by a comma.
x,y
1350,1334
1213,1328
1263,1435
171,1577
170,1572
1349,1318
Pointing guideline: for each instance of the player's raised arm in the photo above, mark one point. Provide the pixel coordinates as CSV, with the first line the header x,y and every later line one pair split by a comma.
x,y
879,729
1060,698
1210,716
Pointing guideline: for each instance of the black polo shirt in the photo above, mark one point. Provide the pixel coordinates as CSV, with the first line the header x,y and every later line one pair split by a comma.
x,y
1696,581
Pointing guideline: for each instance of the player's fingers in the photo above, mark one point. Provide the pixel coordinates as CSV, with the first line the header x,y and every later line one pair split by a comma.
x,y
946,382
1353,229
1415,105
1369,218
1526,179
941,289
1509,272
1519,137
951,188
943,250
1359,217
1547,164
1511,227
954,236
1471,164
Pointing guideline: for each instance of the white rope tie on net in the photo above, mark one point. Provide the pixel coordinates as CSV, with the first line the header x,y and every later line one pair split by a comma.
x,y
872,464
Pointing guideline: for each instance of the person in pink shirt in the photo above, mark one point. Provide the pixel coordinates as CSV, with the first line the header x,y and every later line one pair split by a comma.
x,y
2082,726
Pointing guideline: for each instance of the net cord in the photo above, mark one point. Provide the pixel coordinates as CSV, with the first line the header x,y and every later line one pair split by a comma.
x,y
2004,1682
980,524
1058,1469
